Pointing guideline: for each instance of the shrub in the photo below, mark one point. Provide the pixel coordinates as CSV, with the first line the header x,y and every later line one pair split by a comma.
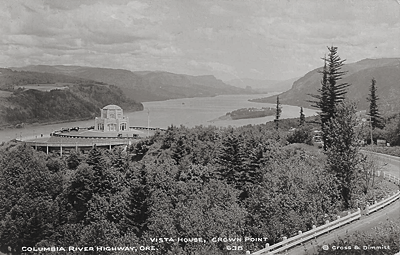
x,y
301,135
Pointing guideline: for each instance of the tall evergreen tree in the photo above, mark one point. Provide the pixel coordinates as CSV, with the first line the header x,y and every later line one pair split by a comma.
x,y
230,158
321,101
343,155
278,112
331,93
302,117
336,91
376,119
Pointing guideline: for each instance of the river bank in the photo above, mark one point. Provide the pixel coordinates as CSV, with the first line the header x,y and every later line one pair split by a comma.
x,y
35,124
189,112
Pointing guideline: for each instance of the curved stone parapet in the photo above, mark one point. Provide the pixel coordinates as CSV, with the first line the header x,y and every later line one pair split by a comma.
x,y
84,138
148,128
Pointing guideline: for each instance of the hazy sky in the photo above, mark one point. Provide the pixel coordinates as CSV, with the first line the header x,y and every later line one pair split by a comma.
x,y
261,39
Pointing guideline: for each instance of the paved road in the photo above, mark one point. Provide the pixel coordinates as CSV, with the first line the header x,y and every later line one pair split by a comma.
x,y
364,224
392,166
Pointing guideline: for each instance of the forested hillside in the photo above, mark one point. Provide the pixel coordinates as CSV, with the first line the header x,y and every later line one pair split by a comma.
x,y
385,71
30,97
81,101
204,183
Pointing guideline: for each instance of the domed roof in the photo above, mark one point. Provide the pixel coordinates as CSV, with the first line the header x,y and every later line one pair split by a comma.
x,y
112,107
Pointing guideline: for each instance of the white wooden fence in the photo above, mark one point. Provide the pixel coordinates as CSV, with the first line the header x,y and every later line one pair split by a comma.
x,y
288,243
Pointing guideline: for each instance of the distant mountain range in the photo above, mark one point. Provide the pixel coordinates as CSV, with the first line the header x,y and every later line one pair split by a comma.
x,y
90,88
145,86
45,93
386,72
263,86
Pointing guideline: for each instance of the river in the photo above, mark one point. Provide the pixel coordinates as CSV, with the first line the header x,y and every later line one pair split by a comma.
x,y
189,112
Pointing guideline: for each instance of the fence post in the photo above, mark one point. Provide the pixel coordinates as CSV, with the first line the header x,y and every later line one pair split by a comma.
x,y
247,252
267,246
300,233
314,227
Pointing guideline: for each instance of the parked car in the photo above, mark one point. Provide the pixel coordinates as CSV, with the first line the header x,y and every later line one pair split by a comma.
x,y
317,139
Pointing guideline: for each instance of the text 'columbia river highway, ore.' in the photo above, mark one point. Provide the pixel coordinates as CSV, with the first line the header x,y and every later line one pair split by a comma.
x,y
232,241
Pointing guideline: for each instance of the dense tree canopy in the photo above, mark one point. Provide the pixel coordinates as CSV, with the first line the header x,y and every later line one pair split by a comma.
x,y
77,102
202,182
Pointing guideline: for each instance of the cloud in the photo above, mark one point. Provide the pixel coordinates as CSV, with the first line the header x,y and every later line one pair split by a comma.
x,y
218,10
65,5
213,67
158,50
80,28
276,38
